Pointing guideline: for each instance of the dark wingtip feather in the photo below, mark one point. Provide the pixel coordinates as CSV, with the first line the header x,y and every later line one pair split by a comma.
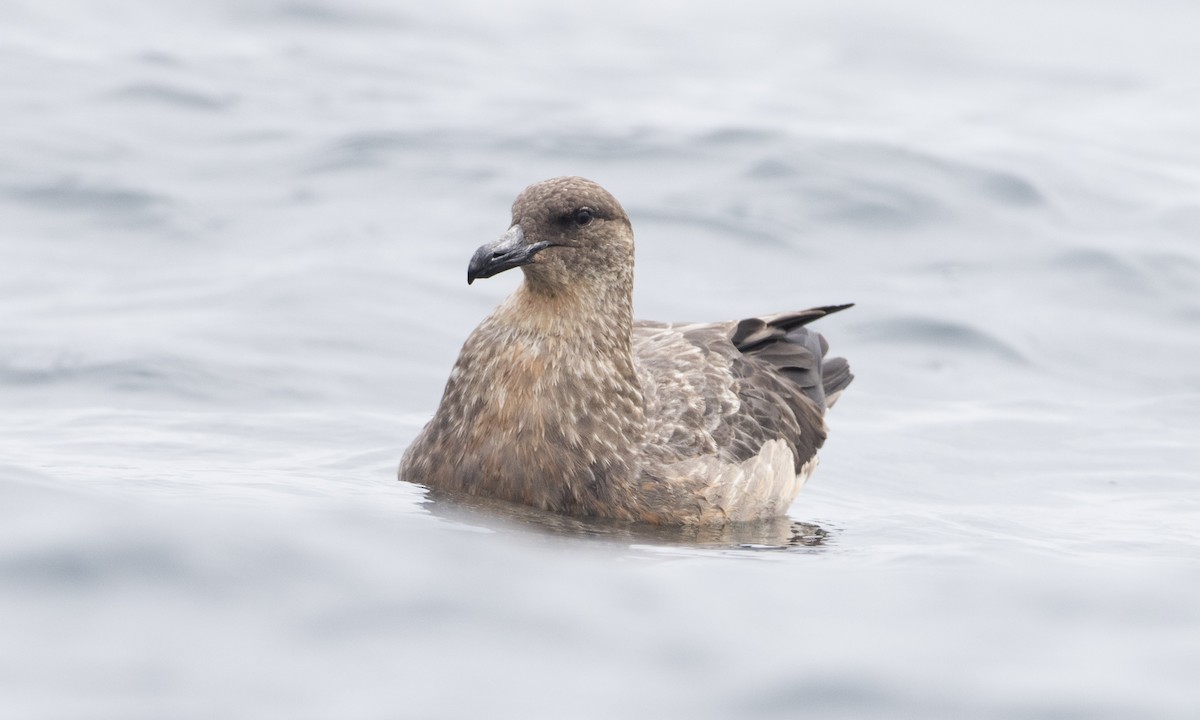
x,y
752,333
831,309
746,329
795,352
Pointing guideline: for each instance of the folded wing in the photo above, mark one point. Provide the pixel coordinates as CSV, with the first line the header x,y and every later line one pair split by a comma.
x,y
729,389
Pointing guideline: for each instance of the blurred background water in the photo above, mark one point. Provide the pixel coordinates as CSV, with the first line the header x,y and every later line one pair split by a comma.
x,y
232,258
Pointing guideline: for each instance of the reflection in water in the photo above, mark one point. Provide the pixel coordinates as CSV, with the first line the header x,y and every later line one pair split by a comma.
x,y
781,533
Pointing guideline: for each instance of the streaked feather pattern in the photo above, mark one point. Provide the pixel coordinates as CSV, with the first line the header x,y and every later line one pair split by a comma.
x,y
559,400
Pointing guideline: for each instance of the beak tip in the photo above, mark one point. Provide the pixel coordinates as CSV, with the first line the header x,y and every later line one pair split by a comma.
x,y
508,252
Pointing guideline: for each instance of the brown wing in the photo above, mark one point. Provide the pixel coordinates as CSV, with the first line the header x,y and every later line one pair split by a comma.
x,y
728,388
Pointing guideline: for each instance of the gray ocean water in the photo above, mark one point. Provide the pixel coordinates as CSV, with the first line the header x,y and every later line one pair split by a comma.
x,y
233,241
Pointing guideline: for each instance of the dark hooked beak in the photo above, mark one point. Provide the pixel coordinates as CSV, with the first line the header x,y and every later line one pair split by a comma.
x,y
508,252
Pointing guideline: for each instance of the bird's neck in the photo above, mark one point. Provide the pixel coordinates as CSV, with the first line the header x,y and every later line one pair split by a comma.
x,y
592,318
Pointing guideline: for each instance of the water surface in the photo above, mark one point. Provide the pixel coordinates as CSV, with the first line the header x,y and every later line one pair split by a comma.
x,y
231,272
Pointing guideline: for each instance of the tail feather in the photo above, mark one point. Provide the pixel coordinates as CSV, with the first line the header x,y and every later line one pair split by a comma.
x,y
835,376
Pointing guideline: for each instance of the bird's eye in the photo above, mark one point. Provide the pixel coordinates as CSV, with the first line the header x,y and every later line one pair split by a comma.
x,y
583,216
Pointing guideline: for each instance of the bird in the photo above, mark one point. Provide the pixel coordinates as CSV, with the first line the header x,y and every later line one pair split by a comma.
x,y
561,401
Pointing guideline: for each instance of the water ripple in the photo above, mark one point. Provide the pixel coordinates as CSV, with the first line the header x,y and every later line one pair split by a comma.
x,y
173,96
940,333
71,194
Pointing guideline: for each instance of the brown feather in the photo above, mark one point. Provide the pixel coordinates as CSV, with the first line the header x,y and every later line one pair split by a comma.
x,y
560,401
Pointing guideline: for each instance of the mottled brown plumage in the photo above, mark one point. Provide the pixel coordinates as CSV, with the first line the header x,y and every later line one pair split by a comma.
x,y
561,401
